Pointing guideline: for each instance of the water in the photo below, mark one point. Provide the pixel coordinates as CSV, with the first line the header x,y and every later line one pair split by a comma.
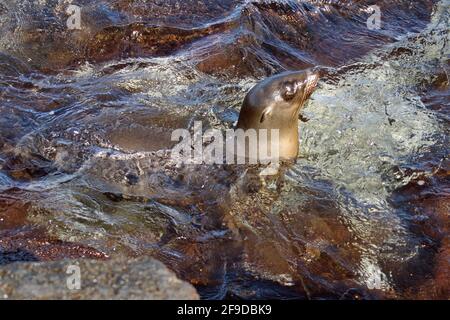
x,y
86,117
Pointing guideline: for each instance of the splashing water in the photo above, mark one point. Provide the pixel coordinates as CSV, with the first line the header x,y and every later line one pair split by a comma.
x,y
87,118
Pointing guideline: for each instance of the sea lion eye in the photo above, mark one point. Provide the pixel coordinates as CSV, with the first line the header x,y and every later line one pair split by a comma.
x,y
289,90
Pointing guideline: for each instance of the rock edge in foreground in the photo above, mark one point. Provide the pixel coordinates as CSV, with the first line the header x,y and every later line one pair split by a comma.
x,y
118,278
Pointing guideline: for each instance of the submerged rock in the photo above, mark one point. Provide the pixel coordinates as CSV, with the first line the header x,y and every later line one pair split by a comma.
x,y
119,278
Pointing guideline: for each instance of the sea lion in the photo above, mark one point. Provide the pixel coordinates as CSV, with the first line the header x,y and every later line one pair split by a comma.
x,y
275,103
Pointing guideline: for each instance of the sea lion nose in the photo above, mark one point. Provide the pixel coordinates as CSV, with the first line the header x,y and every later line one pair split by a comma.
x,y
312,79
322,71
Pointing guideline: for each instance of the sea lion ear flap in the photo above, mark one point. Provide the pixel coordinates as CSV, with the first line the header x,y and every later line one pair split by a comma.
x,y
267,112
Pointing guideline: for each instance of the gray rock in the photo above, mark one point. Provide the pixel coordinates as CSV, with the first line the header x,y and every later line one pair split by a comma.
x,y
119,278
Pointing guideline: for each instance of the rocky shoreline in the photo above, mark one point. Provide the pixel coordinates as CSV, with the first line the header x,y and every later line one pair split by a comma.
x,y
118,278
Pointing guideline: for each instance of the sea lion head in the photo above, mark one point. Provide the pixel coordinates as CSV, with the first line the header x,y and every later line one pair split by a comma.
x,y
275,103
